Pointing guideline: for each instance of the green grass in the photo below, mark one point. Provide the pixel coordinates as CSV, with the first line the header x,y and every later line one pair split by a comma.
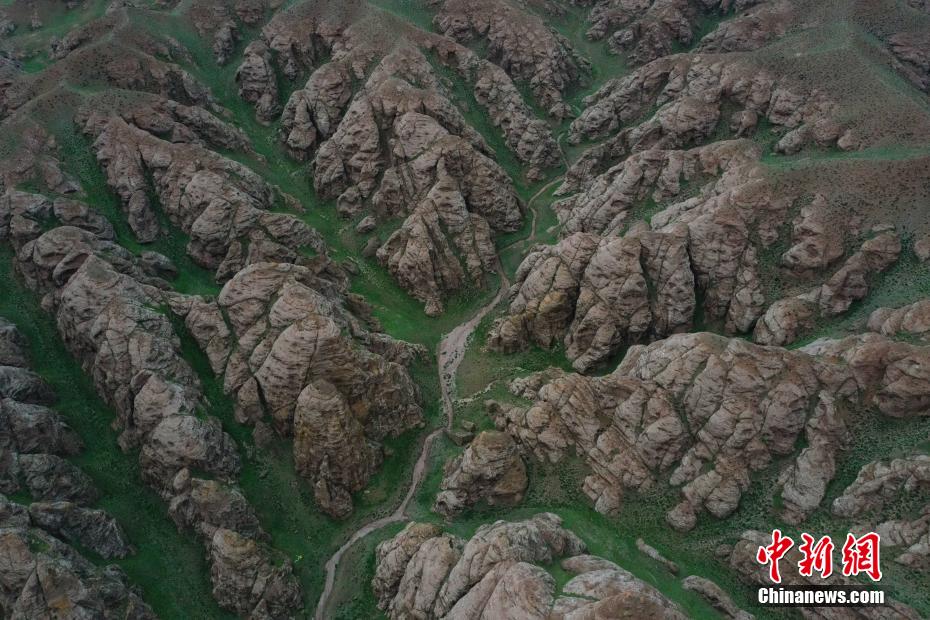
x,y
413,11
57,21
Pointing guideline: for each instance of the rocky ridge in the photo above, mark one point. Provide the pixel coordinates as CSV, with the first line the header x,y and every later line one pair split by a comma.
x,y
106,306
741,407
500,573
43,574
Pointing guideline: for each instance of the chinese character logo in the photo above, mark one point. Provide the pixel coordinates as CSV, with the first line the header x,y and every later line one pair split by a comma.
x,y
860,555
773,553
817,557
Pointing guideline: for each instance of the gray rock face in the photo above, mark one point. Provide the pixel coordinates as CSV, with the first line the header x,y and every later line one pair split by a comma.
x,y
257,82
90,528
12,346
293,362
56,580
546,284
24,386
312,114
490,470
42,576
691,91
499,573
912,320
422,571
112,317
879,482
208,505
49,477
222,205
403,149
743,406
248,581
716,596
29,429
527,49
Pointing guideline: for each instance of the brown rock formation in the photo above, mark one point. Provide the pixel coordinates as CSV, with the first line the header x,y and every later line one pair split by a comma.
x,y
490,470
743,405
288,358
497,574
520,43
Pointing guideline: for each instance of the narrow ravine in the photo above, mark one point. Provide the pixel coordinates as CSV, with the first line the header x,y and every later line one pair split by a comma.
x,y
449,354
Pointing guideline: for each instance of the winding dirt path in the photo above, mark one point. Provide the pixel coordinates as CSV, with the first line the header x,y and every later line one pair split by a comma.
x,y
532,235
449,355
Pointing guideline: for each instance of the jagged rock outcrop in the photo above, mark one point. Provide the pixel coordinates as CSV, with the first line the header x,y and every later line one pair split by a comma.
x,y
751,29
441,247
605,205
258,83
47,477
691,92
890,375
646,283
908,539
786,319
292,352
635,287
742,406
541,298
43,576
113,318
880,482
716,596
911,57
817,240
499,573
312,113
520,43
601,589
359,35
90,528
489,470
12,343
912,321
248,581
404,150
224,206
599,298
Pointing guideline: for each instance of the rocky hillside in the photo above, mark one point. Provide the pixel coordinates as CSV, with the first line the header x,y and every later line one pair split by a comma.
x,y
459,308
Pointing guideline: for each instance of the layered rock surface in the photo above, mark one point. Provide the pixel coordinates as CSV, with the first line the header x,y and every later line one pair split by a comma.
x,y
490,470
43,575
500,573
741,407
110,312
292,353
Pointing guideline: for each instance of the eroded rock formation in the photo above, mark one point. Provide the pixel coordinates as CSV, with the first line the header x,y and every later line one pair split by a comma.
x,y
500,573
